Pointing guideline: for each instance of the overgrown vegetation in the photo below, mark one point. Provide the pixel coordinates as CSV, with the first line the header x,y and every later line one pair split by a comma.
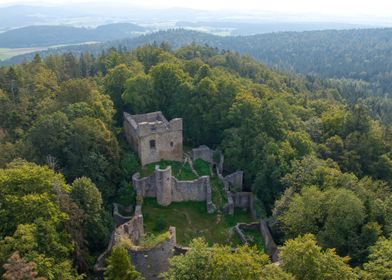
x,y
202,168
254,238
192,220
317,163
182,171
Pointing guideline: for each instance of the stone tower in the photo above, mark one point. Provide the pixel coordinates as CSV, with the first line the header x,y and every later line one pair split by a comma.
x,y
164,186
154,138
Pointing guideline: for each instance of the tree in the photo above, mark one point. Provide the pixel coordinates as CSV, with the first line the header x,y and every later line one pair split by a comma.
x,y
304,259
245,263
115,85
92,151
379,265
166,77
336,216
28,192
138,94
34,219
193,265
48,136
86,195
120,267
305,213
220,263
345,215
17,269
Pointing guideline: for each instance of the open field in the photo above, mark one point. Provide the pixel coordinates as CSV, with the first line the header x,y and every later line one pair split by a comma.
x,y
192,220
8,53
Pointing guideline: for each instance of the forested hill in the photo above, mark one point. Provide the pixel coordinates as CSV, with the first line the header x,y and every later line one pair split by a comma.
x,y
48,35
364,54
316,164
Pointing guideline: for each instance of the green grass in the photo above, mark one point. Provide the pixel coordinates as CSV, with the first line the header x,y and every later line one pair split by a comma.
x,y
150,240
192,220
218,193
255,239
179,170
202,168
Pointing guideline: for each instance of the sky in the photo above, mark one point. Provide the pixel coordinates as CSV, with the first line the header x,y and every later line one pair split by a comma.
x,y
376,8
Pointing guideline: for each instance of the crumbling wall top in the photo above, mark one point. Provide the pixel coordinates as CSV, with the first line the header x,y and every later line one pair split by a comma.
x,y
150,123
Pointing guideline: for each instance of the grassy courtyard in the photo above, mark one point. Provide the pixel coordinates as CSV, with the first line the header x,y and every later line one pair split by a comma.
x,y
179,170
255,239
192,220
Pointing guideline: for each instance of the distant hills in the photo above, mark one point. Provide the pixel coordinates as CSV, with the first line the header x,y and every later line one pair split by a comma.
x,y
360,54
42,36
234,28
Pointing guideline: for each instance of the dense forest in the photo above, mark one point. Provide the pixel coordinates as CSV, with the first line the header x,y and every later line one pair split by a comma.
x,y
46,35
360,54
317,156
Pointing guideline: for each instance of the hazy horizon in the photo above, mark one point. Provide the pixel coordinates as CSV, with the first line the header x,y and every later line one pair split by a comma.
x,y
375,12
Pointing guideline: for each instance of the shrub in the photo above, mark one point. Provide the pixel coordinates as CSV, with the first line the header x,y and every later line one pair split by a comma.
x,y
160,224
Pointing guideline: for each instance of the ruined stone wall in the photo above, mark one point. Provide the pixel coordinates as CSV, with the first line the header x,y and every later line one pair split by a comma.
x,y
151,262
117,217
153,137
145,187
205,153
195,190
242,200
133,229
235,181
130,131
168,144
229,206
269,243
167,189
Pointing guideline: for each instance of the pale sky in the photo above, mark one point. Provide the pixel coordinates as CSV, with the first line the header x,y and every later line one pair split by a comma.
x,y
378,8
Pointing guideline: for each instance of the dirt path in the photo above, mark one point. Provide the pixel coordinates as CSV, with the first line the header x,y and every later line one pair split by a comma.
x,y
189,159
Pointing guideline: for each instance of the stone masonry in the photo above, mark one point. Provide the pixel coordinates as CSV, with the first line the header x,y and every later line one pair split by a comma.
x,y
154,138
149,261
167,189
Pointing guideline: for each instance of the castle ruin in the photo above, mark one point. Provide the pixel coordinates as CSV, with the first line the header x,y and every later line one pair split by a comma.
x,y
167,189
154,138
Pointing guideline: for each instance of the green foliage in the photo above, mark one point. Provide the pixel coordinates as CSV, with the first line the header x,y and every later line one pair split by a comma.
x,y
192,220
379,265
202,168
29,191
314,145
120,267
160,224
151,240
219,262
304,259
182,171
115,85
335,216
96,226
38,219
